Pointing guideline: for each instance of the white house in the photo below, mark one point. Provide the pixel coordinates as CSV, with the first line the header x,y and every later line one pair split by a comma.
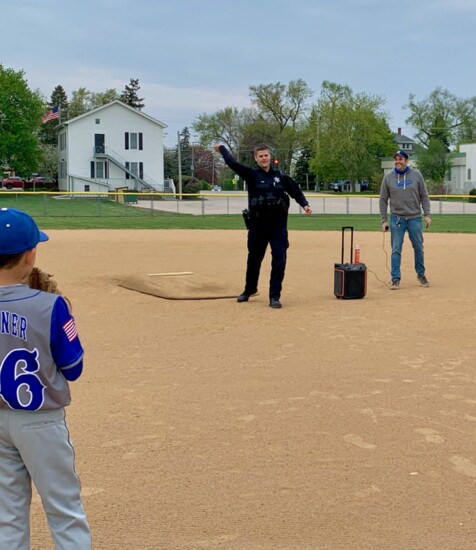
x,y
469,149
111,146
404,143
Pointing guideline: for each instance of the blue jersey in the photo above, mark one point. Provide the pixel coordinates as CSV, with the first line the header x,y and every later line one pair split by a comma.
x,y
39,349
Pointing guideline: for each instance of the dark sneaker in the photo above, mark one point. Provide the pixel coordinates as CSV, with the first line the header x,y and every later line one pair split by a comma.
x,y
274,303
423,280
395,284
243,298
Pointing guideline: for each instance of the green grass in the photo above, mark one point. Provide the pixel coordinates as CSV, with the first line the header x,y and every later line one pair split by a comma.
x,y
101,213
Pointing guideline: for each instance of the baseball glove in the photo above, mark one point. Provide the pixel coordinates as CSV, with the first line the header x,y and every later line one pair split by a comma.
x,y
40,280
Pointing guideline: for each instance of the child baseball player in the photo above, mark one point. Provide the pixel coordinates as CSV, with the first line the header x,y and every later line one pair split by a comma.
x,y
40,352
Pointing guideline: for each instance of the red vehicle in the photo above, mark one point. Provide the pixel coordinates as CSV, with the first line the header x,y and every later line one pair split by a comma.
x,y
40,181
13,182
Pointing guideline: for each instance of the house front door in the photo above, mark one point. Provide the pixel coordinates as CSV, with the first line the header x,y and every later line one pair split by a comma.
x,y
99,140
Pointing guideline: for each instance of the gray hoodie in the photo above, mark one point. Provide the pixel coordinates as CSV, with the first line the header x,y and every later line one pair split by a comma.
x,y
407,193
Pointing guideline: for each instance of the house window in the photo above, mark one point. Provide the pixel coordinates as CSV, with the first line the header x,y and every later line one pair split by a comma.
x,y
98,121
134,169
406,146
133,140
99,169
86,187
469,174
62,169
62,141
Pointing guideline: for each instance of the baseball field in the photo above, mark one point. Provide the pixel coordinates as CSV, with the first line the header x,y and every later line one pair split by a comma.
x,y
326,425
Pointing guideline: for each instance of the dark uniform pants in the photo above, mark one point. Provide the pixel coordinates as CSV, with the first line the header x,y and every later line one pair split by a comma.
x,y
261,233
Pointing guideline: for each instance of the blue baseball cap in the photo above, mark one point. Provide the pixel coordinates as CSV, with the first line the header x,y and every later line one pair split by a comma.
x,y
401,154
18,232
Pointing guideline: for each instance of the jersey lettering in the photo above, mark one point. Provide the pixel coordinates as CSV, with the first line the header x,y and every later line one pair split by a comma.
x,y
14,324
20,387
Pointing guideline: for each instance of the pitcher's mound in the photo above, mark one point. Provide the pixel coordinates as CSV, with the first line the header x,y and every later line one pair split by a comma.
x,y
180,286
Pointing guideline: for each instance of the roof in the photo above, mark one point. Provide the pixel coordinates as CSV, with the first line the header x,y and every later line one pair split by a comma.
x,y
400,138
107,105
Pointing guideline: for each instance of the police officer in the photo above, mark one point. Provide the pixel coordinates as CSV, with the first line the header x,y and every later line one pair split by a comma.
x,y
268,203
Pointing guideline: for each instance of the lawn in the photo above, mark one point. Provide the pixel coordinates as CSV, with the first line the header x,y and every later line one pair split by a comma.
x,y
103,213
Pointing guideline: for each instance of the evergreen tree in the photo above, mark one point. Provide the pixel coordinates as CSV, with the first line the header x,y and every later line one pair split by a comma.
x,y
49,131
129,95
302,173
185,150
59,97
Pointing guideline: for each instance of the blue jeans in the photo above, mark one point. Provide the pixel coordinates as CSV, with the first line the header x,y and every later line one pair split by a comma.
x,y
398,227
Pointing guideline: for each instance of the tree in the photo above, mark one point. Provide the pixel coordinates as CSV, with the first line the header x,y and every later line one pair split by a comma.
x,y
80,102
48,162
185,151
226,127
302,169
286,107
204,165
103,98
170,163
83,100
129,95
49,131
434,162
59,97
443,116
20,119
350,134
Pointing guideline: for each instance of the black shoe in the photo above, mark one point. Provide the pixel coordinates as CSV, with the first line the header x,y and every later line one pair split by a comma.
x,y
275,303
395,284
243,298
423,280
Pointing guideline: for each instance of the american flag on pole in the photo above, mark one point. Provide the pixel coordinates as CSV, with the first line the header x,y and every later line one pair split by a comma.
x,y
70,330
51,115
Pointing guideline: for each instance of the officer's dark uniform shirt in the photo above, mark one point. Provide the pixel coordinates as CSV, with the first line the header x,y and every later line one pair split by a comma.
x,y
268,192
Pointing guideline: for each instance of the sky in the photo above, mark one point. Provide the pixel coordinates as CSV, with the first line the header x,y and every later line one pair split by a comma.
x,y
200,56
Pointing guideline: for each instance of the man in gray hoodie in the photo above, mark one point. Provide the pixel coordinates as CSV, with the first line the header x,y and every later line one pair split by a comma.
x,y
405,188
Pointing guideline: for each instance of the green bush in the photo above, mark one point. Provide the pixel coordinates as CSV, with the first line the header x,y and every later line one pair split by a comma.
x,y
472,197
192,187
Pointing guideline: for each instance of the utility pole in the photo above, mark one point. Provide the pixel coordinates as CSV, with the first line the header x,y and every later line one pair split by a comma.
x,y
179,158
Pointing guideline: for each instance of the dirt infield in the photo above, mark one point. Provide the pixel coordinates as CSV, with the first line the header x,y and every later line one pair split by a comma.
x,y
325,425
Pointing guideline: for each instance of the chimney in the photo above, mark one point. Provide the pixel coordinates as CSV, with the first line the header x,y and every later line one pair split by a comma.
x,y
399,131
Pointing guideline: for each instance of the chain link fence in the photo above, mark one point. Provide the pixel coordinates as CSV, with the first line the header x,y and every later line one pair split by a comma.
x,y
205,203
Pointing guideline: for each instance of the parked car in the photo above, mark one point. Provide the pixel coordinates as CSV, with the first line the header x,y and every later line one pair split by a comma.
x,y
339,186
40,181
13,182
216,188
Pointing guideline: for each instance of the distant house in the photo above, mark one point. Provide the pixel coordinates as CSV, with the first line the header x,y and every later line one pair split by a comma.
x,y
109,147
469,177
405,143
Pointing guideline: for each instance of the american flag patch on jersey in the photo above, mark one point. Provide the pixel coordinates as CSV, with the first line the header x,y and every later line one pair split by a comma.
x,y
70,330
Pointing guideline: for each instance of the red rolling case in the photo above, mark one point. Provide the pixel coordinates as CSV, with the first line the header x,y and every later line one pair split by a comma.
x,y
350,280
